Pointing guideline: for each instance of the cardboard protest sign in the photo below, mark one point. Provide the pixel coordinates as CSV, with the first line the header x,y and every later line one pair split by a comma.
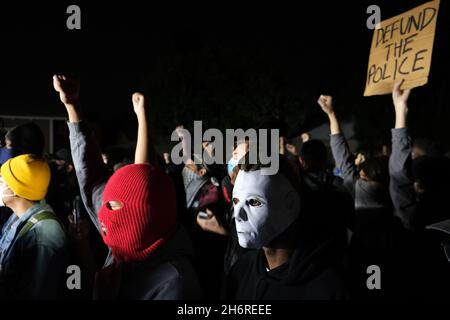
x,y
401,48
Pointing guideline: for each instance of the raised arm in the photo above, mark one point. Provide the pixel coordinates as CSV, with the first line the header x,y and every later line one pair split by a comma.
x,y
326,103
91,172
143,143
68,90
401,186
400,99
339,147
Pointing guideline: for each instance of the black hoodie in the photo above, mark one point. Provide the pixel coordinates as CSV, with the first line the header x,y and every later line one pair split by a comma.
x,y
312,273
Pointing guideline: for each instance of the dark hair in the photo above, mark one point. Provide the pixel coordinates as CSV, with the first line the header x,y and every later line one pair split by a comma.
x,y
200,164
432,172
287,168
429,147
314,153
64,154
377,169
26,139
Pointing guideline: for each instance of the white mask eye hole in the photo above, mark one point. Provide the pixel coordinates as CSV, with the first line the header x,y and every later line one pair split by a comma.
x,y
235,200
254,202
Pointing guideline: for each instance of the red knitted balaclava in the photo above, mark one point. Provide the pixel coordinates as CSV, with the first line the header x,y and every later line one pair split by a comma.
x,y
148,216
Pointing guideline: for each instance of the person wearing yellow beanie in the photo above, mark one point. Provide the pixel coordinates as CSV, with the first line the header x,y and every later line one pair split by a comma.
x,y
28,177
33,252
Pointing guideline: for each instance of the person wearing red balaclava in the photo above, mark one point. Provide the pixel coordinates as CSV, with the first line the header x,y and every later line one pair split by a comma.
x,y
134,211
147,218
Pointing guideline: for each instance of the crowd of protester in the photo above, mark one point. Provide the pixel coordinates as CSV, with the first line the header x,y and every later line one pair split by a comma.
x,y
141,227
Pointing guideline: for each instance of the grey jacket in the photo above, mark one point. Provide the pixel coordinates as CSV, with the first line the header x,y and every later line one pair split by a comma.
x,y
344,160
401,186
166,275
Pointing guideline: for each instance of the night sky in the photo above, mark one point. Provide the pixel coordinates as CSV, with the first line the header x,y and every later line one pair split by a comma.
x,y
225,63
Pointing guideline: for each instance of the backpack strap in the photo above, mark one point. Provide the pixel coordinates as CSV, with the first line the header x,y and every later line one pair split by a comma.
x,y
40,216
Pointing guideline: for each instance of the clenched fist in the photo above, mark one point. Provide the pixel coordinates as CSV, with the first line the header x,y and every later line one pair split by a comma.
x,y
326,103
138,103
68,89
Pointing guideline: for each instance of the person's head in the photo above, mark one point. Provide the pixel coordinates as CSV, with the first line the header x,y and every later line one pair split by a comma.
x,y
138,214
63,160
431,174
375,169
313,156
424,146
26,139
197,166
372,187
24,180
265,206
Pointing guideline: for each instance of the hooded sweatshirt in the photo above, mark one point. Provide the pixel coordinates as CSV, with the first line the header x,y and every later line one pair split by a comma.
x,y
312,273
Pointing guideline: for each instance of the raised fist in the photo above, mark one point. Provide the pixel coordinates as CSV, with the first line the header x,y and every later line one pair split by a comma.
x,y
326,103
138,103
68,88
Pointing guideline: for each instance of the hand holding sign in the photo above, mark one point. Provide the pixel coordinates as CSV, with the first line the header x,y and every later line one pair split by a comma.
x,y
400,97
400,100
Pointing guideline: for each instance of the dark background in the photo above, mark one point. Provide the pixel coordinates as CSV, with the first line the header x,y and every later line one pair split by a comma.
x,y
227,63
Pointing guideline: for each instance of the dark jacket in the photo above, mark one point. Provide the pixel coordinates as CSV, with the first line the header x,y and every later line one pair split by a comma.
x,y
312,273
167,275
424,257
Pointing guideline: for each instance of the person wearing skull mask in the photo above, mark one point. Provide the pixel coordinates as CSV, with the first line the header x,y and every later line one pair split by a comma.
x,y
294,254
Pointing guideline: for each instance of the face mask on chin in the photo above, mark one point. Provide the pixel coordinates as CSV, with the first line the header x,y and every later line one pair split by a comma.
x,y
264,207
3,195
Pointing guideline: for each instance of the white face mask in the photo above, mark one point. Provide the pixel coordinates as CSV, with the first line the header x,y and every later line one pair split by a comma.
x,y
3,188
264,207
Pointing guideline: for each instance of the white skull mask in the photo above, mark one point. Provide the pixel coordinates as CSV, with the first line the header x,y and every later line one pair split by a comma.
x,y
264,207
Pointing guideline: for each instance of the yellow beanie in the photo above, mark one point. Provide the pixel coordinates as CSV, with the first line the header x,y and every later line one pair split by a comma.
x,y
27,176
